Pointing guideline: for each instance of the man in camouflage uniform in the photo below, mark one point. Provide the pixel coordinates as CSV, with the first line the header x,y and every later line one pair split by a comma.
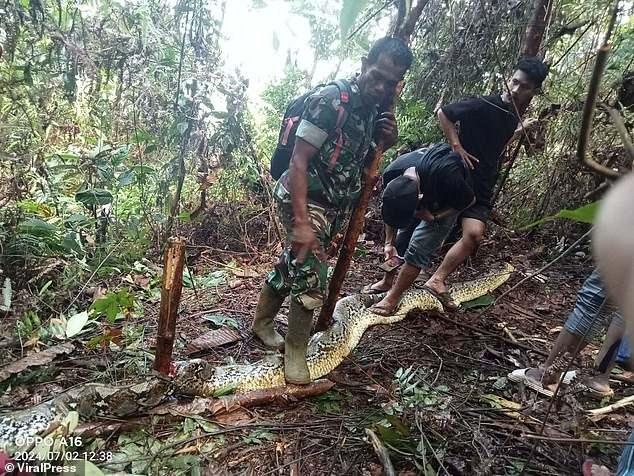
x,y
317,193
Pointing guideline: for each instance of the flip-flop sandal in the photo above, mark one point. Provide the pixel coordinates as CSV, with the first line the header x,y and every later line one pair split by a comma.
x,y
594,393
370,290
384,310
519,375
444,298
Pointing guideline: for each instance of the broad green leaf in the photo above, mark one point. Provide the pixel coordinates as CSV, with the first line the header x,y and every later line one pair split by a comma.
x,y
35,226
6,295
221,320
76,323
140,136
126,178
350,11
77,219
482,301
112,304
96,196
584,214
71,243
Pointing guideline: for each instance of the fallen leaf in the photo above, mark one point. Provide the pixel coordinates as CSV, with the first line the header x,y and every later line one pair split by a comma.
x,y
214,338
35,359
76,323
245,273
142,281
235,418
235,283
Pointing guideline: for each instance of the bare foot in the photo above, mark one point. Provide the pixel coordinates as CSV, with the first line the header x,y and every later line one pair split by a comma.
x,y
547,380
385,307
377,288
598,385
535,373
591,469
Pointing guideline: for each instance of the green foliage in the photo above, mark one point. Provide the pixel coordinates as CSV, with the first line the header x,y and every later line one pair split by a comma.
x,y
349,13
584,214
329,402
113,305
482,301
220,320
257,437
213,279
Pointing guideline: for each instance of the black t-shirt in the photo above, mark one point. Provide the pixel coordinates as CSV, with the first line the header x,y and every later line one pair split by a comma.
x,y
486,125
444,180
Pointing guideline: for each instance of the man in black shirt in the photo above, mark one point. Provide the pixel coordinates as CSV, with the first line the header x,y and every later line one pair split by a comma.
x,y
486,125
421,187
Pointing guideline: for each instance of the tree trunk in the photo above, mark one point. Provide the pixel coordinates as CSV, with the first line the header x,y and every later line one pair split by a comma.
x,y
170,299
405,31
542,11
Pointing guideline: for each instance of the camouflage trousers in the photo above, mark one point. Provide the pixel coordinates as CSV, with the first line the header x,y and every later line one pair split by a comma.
x,y
305,282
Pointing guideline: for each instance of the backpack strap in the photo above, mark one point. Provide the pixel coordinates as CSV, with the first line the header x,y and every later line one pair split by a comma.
x,y
344,100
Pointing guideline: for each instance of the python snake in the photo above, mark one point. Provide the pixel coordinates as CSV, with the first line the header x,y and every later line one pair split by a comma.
x,y
326,350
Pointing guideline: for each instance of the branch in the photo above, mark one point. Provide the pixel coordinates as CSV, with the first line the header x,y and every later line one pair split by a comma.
x,y
405,32
591,100
381,452
617,120
624,402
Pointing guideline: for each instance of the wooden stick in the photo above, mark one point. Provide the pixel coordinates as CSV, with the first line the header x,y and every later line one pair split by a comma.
x,y
370,176
624,402
576,440
170,299
211,406
381,452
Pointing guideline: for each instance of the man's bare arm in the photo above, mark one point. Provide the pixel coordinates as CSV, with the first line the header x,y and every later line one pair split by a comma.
x,y
303,239
449,129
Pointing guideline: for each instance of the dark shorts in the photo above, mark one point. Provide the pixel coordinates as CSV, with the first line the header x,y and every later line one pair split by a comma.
x,y
478,211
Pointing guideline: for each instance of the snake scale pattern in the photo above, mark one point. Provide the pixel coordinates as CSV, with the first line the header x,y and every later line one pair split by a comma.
x,y
326,350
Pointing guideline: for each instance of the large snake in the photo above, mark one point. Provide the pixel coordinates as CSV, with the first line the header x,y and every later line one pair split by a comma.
x,y
326,350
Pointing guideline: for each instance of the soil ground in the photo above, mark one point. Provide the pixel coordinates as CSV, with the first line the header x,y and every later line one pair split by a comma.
x,y
459,419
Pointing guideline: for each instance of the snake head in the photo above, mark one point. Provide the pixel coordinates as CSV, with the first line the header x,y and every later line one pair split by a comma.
x,y
190,374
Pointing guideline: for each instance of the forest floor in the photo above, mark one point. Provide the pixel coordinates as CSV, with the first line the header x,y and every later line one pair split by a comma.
x,y
463,417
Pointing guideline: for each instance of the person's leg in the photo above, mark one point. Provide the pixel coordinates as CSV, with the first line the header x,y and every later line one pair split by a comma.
x,y
403,238
582,324
309,280
425,241
472,234
599,382
269,304
278,282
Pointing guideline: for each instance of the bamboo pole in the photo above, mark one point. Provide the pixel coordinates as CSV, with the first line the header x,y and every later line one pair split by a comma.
x,y
171,289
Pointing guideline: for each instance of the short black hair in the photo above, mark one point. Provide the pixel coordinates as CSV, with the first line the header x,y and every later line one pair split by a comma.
x,y
534,68
400,199
393,47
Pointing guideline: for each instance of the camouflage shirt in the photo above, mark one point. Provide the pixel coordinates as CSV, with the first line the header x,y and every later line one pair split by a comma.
x,y
335,185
